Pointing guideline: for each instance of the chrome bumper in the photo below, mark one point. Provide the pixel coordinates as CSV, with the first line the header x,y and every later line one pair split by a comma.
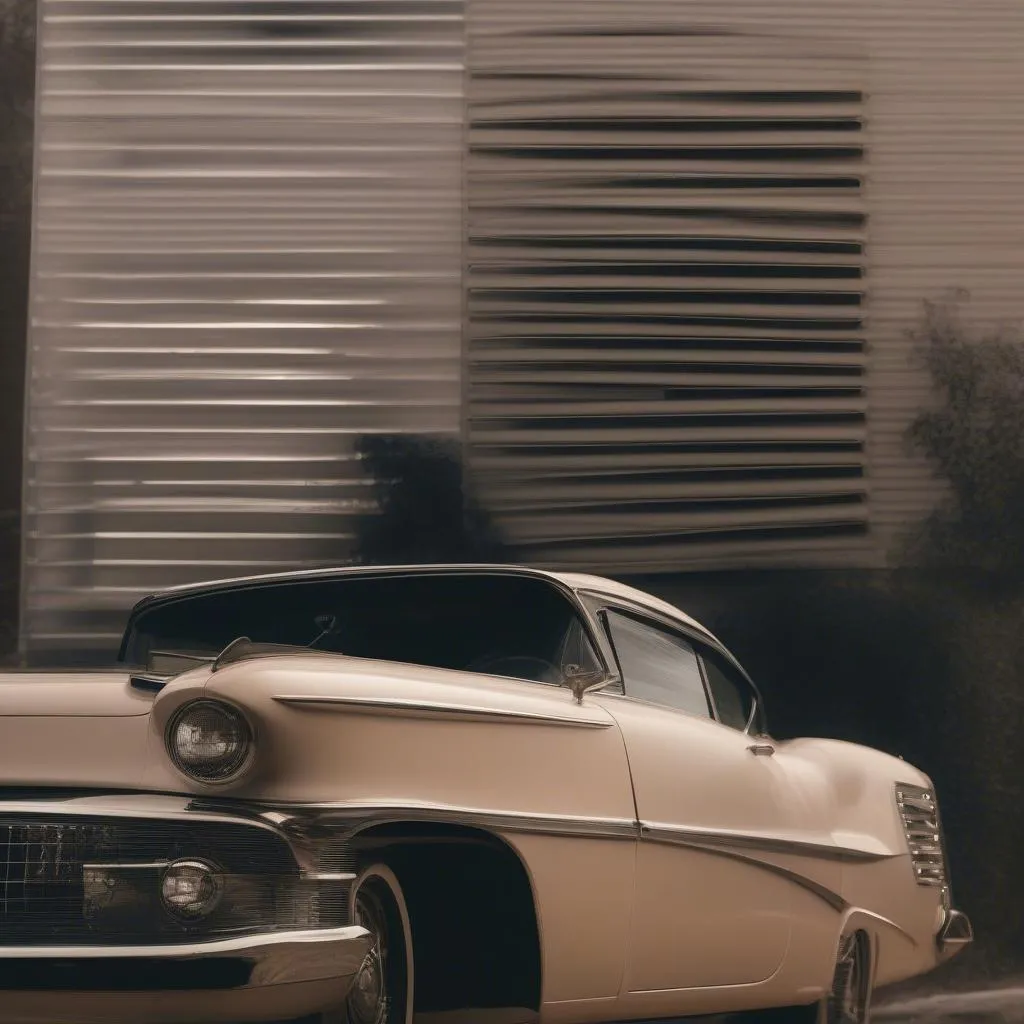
x,y
254,977
955,934
251,961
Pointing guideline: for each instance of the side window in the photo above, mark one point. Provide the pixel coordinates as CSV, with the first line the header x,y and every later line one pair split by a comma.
x,y
657,665
732,695
576,649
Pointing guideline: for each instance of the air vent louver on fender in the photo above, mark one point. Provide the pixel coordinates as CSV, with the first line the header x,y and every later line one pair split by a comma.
x,y
919,812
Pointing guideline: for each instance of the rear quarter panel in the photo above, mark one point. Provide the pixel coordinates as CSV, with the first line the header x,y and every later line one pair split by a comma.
x,y
882,893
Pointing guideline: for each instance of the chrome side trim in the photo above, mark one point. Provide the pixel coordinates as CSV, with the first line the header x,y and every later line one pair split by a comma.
x,y
436,709
351,819
151,865
832,898
281,958
328,876
680,834
886,922
141,805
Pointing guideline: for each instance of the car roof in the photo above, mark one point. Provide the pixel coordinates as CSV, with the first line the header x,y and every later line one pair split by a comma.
x,y
577,582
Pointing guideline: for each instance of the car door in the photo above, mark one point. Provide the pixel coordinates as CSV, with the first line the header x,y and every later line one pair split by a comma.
x,y
712,802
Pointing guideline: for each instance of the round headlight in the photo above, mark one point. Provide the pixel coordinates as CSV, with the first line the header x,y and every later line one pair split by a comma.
x,y
209,741
191,889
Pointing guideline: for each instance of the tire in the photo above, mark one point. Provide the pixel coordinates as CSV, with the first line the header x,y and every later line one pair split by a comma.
x,y
382,991
849,1001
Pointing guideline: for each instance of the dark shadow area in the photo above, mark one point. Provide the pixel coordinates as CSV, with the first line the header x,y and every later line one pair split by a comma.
x,y
925,665
14,248
17,101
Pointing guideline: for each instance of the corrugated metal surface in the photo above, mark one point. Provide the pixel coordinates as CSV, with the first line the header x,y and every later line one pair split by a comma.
x,y
666,225
349,192
247,251
944,99
947,209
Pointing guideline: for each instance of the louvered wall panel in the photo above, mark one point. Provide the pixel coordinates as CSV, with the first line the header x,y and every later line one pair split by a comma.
x,y
247,252
666,294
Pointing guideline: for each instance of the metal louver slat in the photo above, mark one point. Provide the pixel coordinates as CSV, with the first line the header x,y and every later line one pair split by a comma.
x,y
247,253
665,279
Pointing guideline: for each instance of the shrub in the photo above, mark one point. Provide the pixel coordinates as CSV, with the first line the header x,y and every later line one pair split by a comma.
x,y
974,435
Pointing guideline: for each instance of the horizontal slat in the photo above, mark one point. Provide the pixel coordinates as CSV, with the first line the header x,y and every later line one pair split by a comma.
x,y
588,124
248,252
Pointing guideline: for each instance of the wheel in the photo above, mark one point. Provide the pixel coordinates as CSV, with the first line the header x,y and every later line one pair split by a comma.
x,y
382,990
849,1002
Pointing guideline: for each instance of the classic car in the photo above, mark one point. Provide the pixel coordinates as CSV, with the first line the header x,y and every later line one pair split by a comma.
x,y
376,795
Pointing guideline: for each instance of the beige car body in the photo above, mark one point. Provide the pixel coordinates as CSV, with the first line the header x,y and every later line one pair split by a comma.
x,y
673,870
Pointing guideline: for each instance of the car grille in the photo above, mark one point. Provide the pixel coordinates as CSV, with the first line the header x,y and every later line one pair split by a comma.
x,y
920,815
43,891
40,868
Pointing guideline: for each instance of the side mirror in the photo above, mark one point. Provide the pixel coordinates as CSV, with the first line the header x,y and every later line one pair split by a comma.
x,y
581,681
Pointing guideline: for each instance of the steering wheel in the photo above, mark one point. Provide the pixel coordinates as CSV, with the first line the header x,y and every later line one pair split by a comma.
x,y
519,666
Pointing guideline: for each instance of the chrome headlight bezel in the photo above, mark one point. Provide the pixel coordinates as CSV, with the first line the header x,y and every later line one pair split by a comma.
x,y
215,879
232,770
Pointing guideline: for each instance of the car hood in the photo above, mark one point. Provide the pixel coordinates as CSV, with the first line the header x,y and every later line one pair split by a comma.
x,y
71,695
80,729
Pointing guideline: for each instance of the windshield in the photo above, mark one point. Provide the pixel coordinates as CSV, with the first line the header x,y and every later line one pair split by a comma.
x,y
498,624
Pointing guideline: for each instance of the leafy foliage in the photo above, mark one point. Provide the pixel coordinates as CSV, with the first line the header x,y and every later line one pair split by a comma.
x,y
975,437
427,512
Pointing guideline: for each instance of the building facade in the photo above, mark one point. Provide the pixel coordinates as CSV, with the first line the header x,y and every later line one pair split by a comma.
x,y
653,263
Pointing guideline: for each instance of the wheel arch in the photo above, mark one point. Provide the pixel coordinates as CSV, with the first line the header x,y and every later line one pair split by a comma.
x,y
497,905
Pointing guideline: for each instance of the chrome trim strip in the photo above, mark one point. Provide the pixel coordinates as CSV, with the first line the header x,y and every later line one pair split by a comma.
x,y
279,958
861,912
832,898
177,809
354,818
434,709
328,876
152,865
664,833
238,945
358,816
346,571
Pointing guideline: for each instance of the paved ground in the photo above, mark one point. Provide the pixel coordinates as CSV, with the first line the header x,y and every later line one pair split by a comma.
x,y
993,1006
996,1005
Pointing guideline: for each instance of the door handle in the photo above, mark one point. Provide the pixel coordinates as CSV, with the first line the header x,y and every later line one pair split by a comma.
x,y
761,749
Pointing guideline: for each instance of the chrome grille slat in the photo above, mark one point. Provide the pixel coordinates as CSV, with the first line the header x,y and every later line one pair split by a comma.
x,y
919,813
